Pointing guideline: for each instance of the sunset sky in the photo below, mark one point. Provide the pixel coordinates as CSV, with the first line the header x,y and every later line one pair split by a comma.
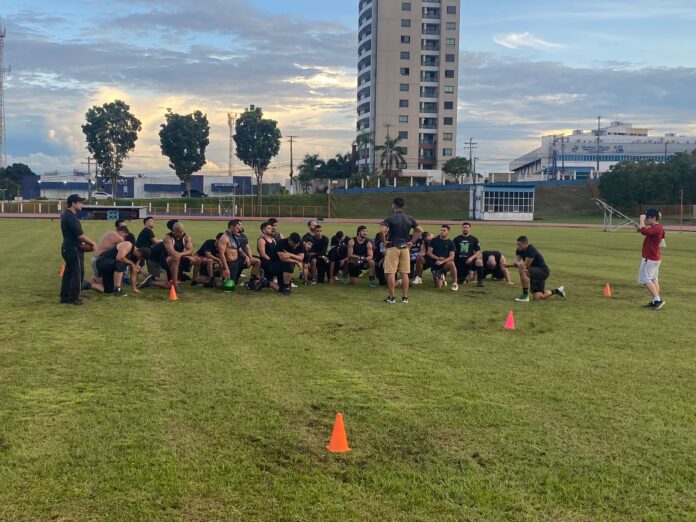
x,y
527,69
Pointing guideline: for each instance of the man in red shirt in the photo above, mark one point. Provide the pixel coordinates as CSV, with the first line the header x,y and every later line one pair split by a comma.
x,y
649,272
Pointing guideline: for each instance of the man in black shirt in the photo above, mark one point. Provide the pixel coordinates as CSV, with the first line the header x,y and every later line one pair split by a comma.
x,y
533,272
276,235
319,261
441,252
396,234
147,239
287,254
468,256
495,265
310,230
71,250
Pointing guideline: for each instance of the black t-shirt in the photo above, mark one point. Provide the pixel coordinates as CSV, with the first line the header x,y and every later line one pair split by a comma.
x,y
532,253
400,226
335,240
441,247
307,237
320,245
488,253
145,238
284,246
209,245
466,246
415,249
71,228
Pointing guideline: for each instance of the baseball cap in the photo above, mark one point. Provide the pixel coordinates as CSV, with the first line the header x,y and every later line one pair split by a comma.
x,y
652,212
74,198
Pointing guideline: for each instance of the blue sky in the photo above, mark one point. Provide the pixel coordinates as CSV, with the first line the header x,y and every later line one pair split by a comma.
x,y
527,69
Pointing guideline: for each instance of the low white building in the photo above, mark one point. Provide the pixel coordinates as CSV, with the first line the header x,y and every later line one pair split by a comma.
x,y
585,155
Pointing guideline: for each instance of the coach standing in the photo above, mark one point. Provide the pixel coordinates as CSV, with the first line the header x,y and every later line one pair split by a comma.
x,y
73,255
396,234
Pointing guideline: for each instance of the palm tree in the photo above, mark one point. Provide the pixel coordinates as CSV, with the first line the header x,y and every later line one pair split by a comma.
x,y
391,156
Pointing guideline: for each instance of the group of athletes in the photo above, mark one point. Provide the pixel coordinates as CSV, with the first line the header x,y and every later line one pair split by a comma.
x,y
401,248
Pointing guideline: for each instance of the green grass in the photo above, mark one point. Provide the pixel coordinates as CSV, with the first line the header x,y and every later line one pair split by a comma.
x,y
219,407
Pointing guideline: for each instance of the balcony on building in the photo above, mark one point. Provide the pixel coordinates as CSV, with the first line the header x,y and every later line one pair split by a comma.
x,y
431,13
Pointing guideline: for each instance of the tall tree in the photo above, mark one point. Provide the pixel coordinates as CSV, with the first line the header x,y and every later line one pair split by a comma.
x,y
312,167
391,156
339,167
183,139
111,132
458,168
258,141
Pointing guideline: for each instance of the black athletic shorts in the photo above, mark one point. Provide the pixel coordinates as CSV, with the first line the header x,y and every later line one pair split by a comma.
x,y
279,268
355,269
538,277
107,266
497,272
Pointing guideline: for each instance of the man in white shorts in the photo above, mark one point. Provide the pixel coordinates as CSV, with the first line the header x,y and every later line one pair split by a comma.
x,y
649,272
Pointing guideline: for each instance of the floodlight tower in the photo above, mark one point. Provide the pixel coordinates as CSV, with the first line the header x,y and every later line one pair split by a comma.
x,y
3,70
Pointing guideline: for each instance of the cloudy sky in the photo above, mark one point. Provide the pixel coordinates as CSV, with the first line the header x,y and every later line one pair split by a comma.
x,y
527,69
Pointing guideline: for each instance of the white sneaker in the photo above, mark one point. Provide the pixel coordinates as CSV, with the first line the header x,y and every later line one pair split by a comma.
x,y
417,280
293,285
455,287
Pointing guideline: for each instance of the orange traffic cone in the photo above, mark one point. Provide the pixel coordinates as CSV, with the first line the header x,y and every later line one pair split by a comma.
x,y
61,271
338,442
607,290
510,322
172,293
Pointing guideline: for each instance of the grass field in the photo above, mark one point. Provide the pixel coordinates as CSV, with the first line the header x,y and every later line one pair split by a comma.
x,y
219,407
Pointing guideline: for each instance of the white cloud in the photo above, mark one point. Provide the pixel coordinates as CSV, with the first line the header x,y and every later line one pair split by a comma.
x,y
518,40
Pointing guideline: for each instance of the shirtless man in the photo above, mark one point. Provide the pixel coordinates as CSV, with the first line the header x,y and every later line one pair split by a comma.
x,y
107,241
114,262
230,251
178,254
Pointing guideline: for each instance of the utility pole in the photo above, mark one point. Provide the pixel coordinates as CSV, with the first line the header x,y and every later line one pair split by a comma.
x,y
472,146
231,123
3,70
599,124
292,166
89,178
563,155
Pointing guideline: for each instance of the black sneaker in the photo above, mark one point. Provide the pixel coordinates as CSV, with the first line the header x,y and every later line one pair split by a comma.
x,y
287,291
86,285
659,304
479,284
147,282
649,305
561,292
119,293
404,300
194,283
209,284
390,300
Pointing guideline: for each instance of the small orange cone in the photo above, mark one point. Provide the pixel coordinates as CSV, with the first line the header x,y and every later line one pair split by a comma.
x,y
172,293
607,290
510,322
61,271
339,441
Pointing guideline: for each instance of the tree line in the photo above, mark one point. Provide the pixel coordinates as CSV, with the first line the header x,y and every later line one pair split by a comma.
x,y
629,184
111,131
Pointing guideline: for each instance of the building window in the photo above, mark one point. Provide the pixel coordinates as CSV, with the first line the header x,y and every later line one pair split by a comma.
x,y
405,22
449,58
451,26
446,152
403,119
449,89
405,39
449,73
403,87
447,136
451,9
449,120
404,71
403,103
405,55
449,105
451,42
403,135
405,6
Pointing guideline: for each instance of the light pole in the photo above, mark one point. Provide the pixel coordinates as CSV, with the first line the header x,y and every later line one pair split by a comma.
x,y
599,123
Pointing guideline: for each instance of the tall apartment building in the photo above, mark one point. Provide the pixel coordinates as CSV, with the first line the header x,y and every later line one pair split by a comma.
x,y
408,65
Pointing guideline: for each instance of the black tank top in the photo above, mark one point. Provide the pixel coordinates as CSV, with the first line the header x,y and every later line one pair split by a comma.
x,y
358,249
179,244
270,247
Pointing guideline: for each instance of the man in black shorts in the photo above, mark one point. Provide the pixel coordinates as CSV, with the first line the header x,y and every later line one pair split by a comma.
x,y
361,257
245,255
441,252
276,235
468,256
147,239
286,256
265,246
113,263
178,257
310,230
207,266
533,273
495,265
338,257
